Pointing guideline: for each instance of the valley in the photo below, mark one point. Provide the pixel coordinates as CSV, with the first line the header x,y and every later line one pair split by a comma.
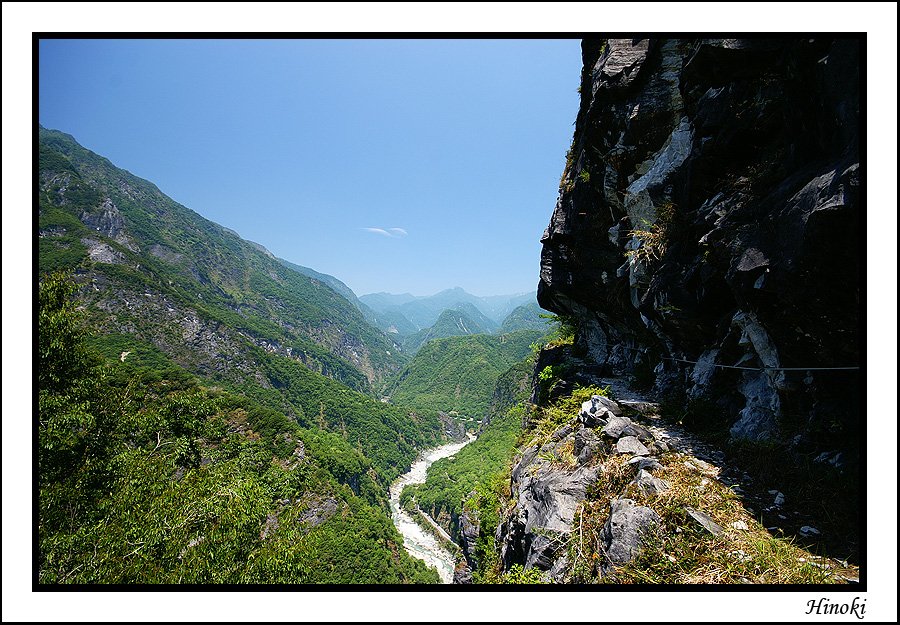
x,y
283,363
678,402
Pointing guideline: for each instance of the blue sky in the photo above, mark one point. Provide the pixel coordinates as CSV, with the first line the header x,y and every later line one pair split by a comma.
x,y
394,165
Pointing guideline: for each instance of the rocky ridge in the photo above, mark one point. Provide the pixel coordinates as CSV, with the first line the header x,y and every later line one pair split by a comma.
x,y
624,454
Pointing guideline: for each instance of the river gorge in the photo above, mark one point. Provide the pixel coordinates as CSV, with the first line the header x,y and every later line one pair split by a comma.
x,y
418,541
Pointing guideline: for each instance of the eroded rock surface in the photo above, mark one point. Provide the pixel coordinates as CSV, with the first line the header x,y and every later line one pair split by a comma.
x,y
708,211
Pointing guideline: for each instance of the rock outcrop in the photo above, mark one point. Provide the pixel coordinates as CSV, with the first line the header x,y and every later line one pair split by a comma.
x,y
549,486
709,212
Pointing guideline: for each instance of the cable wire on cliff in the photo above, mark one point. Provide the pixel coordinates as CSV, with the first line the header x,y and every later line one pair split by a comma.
x,y
694,362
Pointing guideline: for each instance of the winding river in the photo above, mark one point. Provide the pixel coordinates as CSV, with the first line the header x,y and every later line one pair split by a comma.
x,y
417,541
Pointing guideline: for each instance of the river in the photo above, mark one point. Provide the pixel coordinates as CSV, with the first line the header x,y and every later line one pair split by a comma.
x,y
417,541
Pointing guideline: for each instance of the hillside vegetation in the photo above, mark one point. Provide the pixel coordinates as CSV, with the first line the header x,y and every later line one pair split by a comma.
x,y
147,476
218,422
151,262
459,373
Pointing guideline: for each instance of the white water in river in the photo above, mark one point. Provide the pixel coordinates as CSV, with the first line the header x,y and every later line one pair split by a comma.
x,y
419,542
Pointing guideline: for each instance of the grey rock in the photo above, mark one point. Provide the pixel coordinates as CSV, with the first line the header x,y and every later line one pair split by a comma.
x,y
599,401
640,432
596,420
269,527
703,372
808,530
705,521
462,574
597,411
616,427
559,572
626,530
642,463
561,433
535,532
648,484
834,458
586,441
105,219
782,229
318,511
620,65
469,530
631,445
101,252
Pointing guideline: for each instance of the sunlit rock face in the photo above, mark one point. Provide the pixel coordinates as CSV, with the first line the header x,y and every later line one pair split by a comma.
x,y
709,211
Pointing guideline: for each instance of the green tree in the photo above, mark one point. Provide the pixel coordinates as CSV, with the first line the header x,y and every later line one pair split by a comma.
x,y
74,418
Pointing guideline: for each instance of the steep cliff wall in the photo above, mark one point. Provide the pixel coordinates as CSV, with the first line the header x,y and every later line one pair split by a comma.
x,y
709,211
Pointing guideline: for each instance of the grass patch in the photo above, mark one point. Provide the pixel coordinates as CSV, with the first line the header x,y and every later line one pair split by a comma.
x,y
685,553
563,411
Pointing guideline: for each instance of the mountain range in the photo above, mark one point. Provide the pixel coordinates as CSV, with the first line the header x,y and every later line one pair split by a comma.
x,y
423,311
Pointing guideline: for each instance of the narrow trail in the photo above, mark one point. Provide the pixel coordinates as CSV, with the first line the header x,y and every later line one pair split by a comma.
x,y
764,501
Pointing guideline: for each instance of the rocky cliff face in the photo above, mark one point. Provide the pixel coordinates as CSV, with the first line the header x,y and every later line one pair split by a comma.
x,y
709,212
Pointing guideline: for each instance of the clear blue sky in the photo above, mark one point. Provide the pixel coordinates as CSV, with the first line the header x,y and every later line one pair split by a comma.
x,y
301,145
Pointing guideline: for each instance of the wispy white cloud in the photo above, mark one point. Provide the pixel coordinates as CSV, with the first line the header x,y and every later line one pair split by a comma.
x,y
393,233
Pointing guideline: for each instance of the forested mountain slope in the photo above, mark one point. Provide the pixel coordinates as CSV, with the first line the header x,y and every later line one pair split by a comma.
x,y
145,475
224,372
460,320
188,285
526,317
459,373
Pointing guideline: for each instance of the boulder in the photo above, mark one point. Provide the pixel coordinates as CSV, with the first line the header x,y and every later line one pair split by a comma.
x,y
547,498
616,427
586,444
631,445
643,463
648,484
597,411
626,530
561,433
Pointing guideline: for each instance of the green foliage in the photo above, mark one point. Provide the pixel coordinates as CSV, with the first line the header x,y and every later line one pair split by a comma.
x,y
62,356
547,375
563,328
458,373
519,575
149,480
386,434
585,176
654,239
450,480
73,416
565,409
